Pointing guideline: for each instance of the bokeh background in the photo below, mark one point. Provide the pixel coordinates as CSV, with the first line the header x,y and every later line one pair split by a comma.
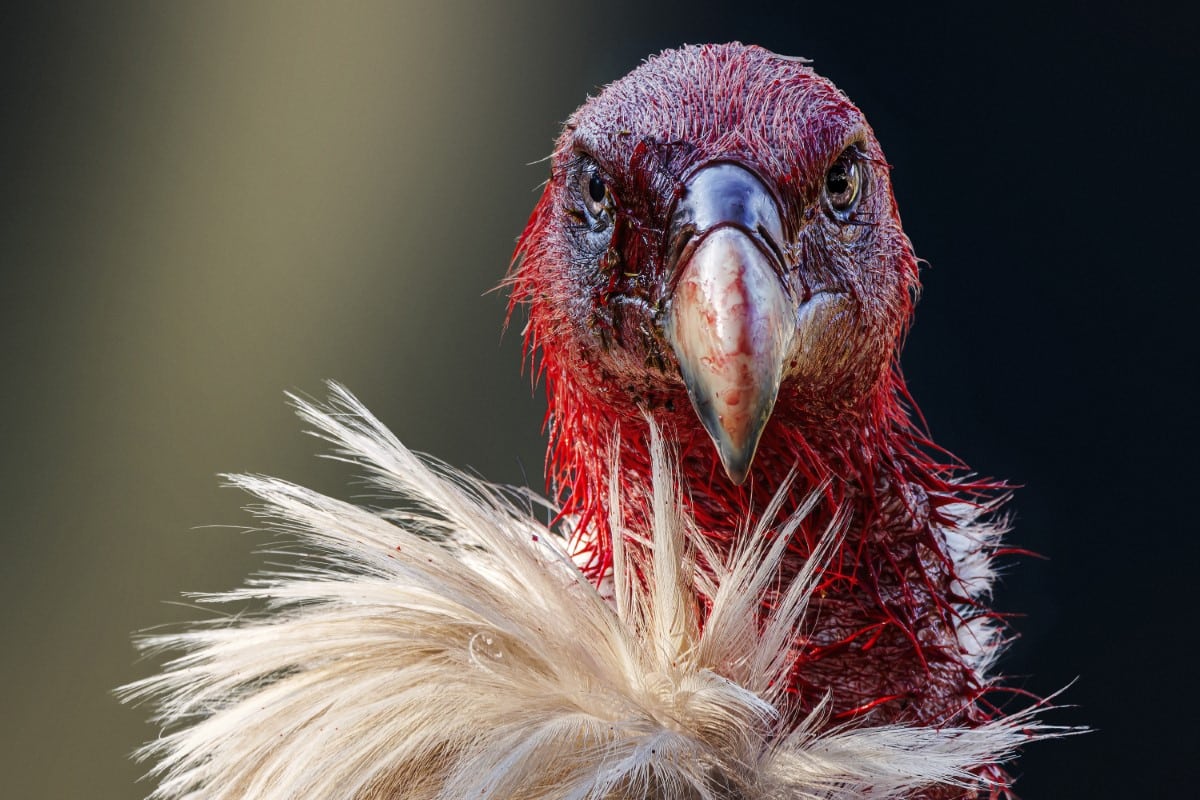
x,y
206,204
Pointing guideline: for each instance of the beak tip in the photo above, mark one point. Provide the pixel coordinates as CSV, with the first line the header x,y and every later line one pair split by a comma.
x,y
737,474
735,450
736,457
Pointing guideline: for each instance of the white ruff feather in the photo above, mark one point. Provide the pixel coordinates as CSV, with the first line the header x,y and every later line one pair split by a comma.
x,y
451,650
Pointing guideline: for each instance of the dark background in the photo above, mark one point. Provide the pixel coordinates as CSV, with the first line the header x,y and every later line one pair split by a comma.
x,y
206,204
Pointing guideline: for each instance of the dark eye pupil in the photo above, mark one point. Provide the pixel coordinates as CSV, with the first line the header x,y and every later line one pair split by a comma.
x,y
838,180
596,189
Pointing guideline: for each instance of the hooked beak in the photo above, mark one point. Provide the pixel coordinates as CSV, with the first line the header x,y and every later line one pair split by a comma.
x,y
732,320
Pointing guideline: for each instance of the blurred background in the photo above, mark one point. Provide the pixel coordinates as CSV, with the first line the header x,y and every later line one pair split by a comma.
x,y
207,204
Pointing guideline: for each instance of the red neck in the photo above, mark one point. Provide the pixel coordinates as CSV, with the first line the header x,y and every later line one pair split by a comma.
x,y
889,584
872,456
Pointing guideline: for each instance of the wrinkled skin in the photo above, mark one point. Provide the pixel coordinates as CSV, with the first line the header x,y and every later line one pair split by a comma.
x,y
601,263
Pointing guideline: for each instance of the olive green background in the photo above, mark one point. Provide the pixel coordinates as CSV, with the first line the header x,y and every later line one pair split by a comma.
x,y
207,204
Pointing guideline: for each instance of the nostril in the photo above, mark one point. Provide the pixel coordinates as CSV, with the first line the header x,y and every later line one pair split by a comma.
x,y
780,259
680,244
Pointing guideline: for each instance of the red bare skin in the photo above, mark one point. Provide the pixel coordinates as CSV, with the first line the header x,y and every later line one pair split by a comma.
x,y
885,644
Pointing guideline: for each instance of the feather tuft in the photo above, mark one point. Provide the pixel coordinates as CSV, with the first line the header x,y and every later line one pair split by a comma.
x,y
450,648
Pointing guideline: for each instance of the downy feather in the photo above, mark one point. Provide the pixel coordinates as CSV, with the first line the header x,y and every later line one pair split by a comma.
x,y
449,648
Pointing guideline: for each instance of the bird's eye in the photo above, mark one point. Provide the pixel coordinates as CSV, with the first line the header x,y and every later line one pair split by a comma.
x,y
596,189
597,197
843,185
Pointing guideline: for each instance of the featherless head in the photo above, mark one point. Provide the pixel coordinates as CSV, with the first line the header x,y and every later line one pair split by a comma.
x,y
719,233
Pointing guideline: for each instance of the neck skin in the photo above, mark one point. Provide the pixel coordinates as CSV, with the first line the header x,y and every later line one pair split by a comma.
x,y
889,640
868,456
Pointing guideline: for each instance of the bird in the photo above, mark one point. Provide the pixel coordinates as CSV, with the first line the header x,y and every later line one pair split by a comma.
x,y
756,575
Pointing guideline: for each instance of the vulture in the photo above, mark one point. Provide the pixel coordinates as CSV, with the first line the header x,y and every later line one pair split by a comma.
x,y
759,579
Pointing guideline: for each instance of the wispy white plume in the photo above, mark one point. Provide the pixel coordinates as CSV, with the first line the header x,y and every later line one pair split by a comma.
x,y
448,648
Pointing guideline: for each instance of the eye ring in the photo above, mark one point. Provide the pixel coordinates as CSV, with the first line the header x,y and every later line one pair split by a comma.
x,y
844,185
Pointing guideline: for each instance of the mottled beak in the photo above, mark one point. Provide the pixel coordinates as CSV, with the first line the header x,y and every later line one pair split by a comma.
x,y
732,318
